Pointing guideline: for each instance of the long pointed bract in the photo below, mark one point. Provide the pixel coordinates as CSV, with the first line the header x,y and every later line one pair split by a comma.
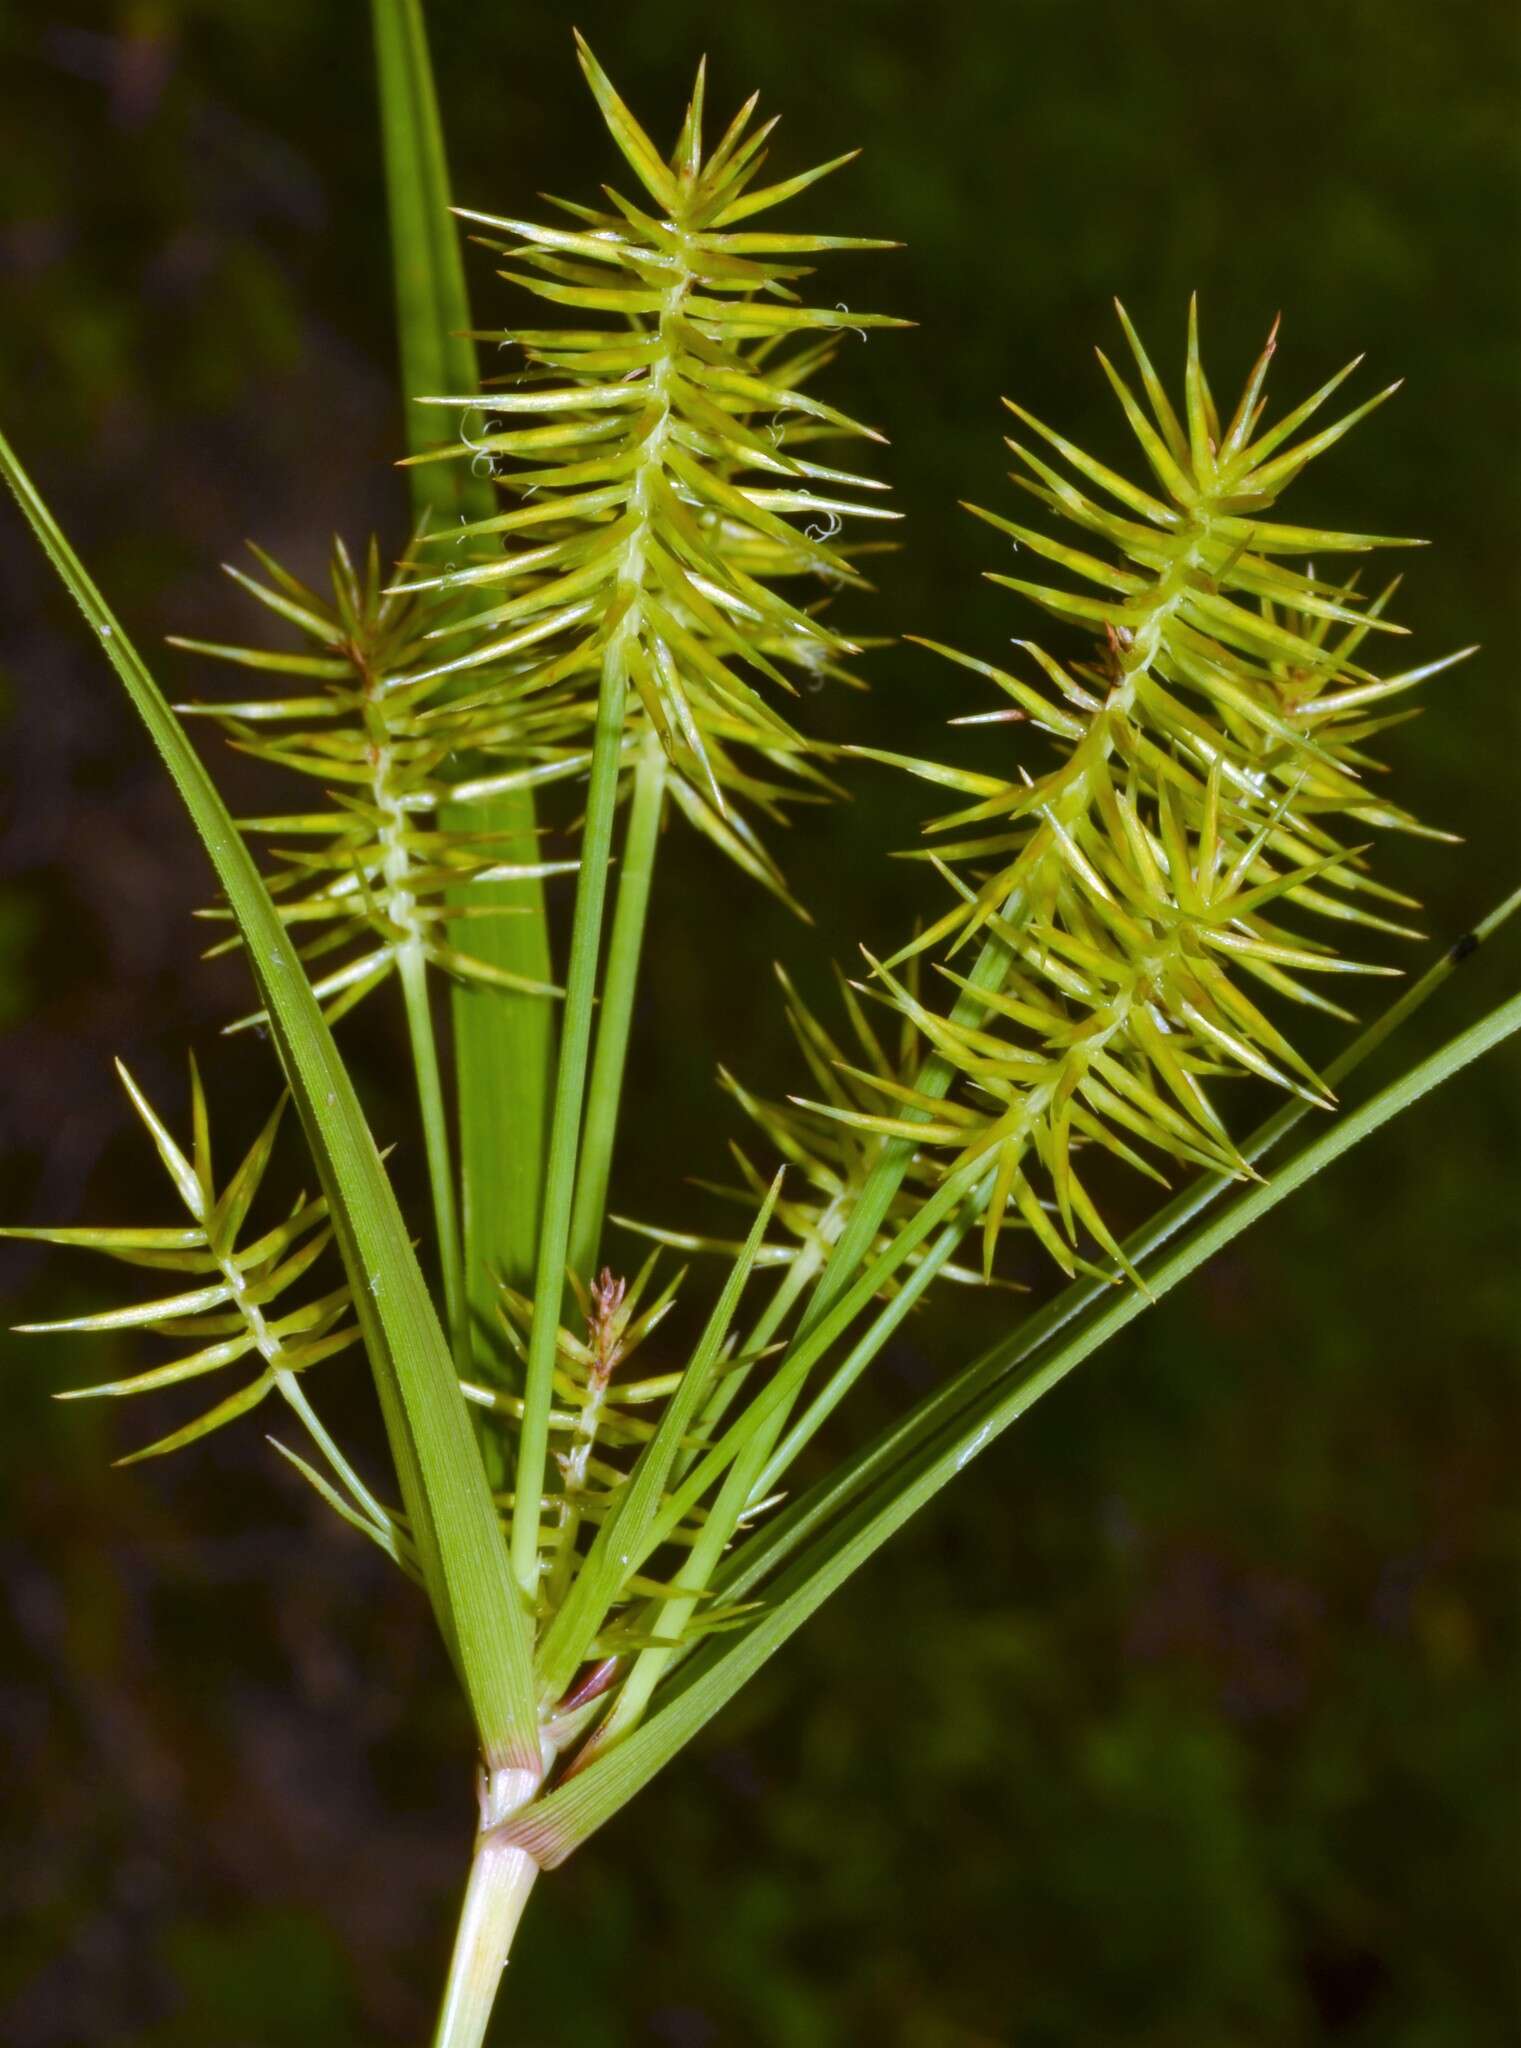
x,y
437,1462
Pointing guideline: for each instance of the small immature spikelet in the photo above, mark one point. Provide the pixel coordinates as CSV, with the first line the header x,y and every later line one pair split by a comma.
x,y
1207,748
588,1406
372,873
603,1420
656,467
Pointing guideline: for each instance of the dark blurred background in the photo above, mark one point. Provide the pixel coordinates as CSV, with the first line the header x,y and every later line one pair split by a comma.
x,y
1188,1717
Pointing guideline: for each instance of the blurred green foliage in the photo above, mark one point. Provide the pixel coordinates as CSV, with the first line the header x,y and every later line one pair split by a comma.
x,y
1211,1739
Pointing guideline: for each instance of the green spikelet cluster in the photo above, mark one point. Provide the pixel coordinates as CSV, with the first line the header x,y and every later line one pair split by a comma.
x,y
1210,783
237,1309
657,485
370,882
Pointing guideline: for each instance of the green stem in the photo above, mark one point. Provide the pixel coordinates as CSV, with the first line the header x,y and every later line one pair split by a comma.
x,y
800,1274
501,1878
400,905
808,1261
570,1089
271,1349
291,1387
860,1355
753,1475
435,1125
886,1177
671,1616
809,1345
581,980
619,985
736,1490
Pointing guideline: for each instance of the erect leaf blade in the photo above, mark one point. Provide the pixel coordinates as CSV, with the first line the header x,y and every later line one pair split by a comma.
x,y
236,1199
428,275
438,1464
788,188
502,1037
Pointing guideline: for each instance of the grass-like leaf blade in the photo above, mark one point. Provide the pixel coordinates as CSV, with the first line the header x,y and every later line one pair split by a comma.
x,y
502,1040
438,1464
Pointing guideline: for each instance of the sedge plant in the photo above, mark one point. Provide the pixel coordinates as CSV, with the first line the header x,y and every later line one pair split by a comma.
x,y
629,547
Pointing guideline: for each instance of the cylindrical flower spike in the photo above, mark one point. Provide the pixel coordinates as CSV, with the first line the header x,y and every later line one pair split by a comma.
x,y
1208,748
660,471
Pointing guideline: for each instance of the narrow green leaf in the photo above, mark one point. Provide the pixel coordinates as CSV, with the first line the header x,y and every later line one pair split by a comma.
x,y
237,1197
121,1243
565,1132
502,1037
437,1462
140,1315
788,188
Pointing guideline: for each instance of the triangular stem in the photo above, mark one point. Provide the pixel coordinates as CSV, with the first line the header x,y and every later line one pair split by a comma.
x,y
501,1877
